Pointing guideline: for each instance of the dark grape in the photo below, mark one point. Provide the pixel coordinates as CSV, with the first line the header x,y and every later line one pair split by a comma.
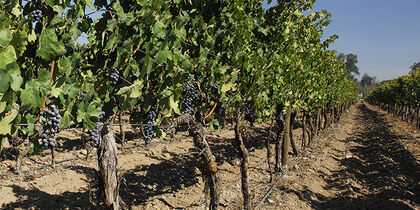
x,y
191,96
148,122
114,76
221,110
37,15
249,111
50,121
94,135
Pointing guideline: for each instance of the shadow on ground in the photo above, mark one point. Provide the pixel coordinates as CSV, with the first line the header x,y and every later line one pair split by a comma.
x,y
385,175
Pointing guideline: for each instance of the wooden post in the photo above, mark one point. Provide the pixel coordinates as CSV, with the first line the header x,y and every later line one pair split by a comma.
x,y
108,168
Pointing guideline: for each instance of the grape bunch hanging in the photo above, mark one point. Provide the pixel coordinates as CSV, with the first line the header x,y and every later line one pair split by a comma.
x,y
148,122
221,110
50,119
114,76
36,15
191,96
249,111
94,133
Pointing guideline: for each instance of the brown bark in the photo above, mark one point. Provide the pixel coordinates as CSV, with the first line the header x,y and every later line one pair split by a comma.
x,y
121,129
277,148
304,131
52,157
268,148
108,168
22,154
292,141
209,169
240,146
318,123
286,139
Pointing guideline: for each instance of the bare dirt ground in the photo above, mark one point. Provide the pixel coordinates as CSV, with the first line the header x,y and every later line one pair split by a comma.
x,y
369,160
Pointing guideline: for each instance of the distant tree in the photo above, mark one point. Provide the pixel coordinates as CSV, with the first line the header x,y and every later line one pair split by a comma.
x,y
367,84
350,61
415,66
366,80
341,57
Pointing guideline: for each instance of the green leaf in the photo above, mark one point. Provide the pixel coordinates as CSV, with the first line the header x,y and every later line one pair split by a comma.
x,y
56,91
159,29
30,95
32,36
2,106
226,87
89,4
5,126
4,37
7,56
49,47
19,41
66,120
17,80
162,55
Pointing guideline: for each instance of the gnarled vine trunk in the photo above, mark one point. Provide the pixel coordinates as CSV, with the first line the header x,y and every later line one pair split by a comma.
x,y
108,168
240,146
209,169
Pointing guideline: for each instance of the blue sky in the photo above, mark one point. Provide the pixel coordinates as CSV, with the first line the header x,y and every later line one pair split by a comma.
x,y
384,34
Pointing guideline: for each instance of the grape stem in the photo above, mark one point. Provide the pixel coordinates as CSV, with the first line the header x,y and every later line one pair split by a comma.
x,y
45,98
208,115
125,80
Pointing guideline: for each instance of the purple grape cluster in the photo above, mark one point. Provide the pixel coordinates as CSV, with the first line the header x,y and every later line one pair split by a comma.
x,y
94,133
148,122
191,96
36,15
249,111
50,119
114,76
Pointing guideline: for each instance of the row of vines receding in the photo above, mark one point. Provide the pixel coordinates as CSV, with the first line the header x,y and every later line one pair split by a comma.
x,y
206,63
400,96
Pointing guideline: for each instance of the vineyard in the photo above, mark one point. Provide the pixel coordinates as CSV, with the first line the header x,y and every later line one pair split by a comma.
x,y
174,88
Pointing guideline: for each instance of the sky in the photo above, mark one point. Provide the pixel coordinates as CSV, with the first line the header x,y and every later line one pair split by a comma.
x,y
384,34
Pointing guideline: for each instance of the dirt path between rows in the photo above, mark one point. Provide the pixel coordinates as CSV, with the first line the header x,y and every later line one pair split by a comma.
x,y
369,160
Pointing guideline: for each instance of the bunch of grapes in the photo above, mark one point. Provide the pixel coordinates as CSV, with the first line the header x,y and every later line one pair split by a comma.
x,y
94,133
249,111
221,110
50,120
148,122
37,15
114,76
191,96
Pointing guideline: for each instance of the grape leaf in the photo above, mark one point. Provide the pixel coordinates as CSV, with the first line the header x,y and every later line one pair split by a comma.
x,y
49,47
